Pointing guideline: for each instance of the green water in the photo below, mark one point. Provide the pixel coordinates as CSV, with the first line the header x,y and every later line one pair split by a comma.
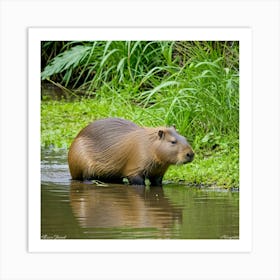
x,y
76,210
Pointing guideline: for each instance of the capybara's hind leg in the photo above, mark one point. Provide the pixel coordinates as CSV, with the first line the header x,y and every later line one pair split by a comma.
x,y
136,180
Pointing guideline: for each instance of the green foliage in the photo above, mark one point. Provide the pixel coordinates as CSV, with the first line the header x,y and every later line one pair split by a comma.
x,y
91,64
192,85
196,83
67,60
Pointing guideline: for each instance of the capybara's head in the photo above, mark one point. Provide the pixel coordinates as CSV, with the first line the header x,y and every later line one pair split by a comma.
x,y
172,147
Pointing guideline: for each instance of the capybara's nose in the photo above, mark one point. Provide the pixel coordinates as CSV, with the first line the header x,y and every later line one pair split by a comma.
x,y
190,156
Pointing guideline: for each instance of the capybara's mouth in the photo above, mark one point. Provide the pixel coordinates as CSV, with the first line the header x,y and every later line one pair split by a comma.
x,y
186,161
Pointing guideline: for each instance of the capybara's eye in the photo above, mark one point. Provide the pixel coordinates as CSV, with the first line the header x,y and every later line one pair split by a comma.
x,y
174,142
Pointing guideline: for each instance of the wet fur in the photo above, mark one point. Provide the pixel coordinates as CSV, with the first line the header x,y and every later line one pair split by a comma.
x,y
112,149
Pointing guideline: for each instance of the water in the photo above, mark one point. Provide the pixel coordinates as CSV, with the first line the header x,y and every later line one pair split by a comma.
x,y
77,210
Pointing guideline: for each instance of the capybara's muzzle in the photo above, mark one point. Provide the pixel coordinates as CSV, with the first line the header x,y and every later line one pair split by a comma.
x,y
189,156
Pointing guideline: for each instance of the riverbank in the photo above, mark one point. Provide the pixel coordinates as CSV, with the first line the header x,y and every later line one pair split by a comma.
x,y
217,156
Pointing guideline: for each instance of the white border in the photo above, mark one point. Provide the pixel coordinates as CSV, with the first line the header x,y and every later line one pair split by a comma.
x,y
262,16
243,35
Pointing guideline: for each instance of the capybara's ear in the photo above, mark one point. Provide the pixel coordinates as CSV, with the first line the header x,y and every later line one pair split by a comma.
x,y
161,134
174,126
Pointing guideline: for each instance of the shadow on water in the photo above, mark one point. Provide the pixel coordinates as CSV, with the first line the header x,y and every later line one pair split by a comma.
x,y
78,210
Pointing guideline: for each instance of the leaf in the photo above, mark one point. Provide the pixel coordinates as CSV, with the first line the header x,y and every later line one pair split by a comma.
x,y
149,94
66,60
206,137
104,59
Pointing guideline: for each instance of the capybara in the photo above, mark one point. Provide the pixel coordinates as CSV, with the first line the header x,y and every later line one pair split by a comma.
x,y
112,149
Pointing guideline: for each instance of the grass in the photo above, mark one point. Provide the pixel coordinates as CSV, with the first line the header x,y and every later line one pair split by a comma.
x,y
194,85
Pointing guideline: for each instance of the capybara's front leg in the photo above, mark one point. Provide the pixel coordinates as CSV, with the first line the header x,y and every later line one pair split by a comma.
x,y
136,180
156,181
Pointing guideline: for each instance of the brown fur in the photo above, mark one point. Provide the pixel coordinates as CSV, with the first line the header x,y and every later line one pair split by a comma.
x,y
112,149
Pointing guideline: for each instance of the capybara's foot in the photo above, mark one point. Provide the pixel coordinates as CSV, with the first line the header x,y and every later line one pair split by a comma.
x,y
136,180
156,181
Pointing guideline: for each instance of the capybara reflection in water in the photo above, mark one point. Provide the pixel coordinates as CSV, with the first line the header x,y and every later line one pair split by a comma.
x,y
112,149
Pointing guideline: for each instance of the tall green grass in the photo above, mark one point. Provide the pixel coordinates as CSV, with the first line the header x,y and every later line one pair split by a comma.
x,y
89,65
194,85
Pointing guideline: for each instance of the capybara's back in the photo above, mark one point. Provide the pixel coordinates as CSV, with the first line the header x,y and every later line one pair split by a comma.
x,y
112,149
95,146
